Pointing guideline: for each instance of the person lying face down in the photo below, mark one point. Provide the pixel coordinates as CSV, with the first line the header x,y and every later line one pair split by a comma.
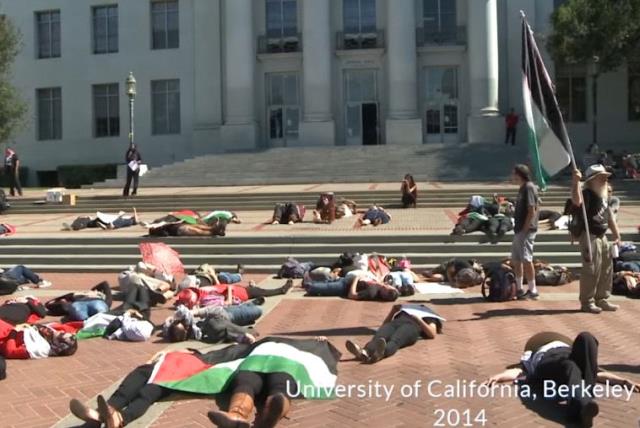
x,y
551,357
278,383
402,327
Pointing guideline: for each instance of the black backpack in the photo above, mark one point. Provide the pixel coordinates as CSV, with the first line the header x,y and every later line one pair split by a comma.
x,y
8,285
501,287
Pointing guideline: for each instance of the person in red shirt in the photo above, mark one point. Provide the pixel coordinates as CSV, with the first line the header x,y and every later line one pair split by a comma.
x,y
512,124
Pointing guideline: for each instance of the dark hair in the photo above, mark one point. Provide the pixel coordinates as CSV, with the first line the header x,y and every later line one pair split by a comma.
x,y
407,290
388,294
62,346
177,332
410,179
522,171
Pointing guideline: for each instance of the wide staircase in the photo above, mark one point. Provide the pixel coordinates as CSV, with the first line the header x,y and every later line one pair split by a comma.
x,y
341,164
261,252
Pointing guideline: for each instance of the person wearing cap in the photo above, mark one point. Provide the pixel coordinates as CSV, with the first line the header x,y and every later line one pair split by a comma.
x,y
525,230
596,276
553,357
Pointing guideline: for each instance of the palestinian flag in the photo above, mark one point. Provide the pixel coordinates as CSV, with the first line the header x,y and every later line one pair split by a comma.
x,y
312,364
548,140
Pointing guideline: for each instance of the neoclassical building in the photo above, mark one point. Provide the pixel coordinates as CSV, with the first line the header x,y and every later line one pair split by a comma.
x,y
239,75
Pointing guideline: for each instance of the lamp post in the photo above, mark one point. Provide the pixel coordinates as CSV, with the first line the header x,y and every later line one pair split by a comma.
x,y
131,93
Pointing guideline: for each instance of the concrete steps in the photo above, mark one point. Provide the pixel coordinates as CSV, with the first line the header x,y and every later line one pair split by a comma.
x,y
346,164
554,197
266,254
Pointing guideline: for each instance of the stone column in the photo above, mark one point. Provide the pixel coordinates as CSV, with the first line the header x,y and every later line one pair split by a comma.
x,y
403,125
240,129
485,124
317,127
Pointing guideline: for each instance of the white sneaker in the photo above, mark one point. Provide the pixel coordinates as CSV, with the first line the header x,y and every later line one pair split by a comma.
x,y
44,284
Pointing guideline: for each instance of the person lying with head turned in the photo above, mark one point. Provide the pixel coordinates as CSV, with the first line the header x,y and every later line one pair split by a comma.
x,y
104,221
26,341
275,379
184,229
402,327
23,275
354,287
206,275
457,272
191,294
550,356
375,216
81,305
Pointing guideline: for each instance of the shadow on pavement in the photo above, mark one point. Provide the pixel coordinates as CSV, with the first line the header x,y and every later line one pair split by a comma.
x,y
348,331
456,300
627,368
519,312
549,410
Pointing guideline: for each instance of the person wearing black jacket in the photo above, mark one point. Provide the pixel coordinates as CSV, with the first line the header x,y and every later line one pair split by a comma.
x,y
133,161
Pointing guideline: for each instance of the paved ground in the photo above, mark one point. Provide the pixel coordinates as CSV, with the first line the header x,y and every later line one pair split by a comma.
x,y
479,339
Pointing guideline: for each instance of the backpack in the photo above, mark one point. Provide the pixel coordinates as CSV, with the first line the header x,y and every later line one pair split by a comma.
x,y
8,285
4,203
575,224
501,286
293,269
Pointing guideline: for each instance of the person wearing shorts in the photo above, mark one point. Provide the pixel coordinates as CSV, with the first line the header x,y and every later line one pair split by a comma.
x,y
525,229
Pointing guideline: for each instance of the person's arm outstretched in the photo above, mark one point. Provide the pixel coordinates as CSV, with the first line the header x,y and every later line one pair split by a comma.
x,y
613,379
394,310
509,375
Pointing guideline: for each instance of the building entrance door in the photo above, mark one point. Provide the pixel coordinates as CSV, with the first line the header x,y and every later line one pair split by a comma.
x,y
441,113
361,109
283,109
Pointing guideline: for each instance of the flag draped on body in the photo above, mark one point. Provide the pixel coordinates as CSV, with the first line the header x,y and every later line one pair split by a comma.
x,y
311,363
547,135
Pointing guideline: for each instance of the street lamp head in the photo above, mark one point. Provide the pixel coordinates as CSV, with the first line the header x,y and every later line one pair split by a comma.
x,y
131,85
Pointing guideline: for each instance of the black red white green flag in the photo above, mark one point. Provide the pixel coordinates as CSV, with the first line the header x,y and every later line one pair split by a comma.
x,y
547,135
311,363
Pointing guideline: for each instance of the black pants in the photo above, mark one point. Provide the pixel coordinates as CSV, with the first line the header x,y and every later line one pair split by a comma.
x,y
267,384
571,367
255,292
282,213
138,297
15,313
14,184
399,333
131,176
134,395
511,135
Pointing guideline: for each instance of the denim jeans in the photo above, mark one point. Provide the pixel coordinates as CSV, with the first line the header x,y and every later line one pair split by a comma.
x,y
245,314
22,274
229,278
327,288
83,309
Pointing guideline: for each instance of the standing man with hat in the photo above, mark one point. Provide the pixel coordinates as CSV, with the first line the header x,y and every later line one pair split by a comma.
x,y
596,276
12,169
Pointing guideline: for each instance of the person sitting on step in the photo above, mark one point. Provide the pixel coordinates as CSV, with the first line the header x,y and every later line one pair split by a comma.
x,y
403,326
409,190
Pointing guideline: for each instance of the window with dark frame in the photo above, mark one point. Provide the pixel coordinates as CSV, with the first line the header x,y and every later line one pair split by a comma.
x,y
571,91
440,19
165,107
359,16
165,24
105,29
106,110
48,34
49,111
634,90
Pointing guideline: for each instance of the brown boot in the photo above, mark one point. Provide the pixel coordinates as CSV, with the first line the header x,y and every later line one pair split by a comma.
x,y
276,407
240,409
108,415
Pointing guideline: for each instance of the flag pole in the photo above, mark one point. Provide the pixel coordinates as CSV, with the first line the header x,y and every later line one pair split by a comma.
x,y
573,163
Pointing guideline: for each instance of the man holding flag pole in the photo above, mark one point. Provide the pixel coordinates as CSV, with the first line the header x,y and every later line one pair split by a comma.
x,y
551,152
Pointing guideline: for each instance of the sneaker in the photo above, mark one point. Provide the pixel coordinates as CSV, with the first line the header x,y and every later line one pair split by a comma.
x,y
44,284
66,226
521,295
378,351
359,353
606,306
529,296
591,308
259,301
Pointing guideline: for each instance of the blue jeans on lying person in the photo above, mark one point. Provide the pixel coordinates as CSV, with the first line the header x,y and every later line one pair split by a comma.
x,y
229,278
22,275
83,309
327,288
245,314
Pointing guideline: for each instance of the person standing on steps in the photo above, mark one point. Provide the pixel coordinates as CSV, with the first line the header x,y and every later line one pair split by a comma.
x,y
511,122
596,276
133,160
12,169
525,229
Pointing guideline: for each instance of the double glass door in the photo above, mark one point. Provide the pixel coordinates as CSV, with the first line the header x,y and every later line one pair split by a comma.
x,y
361,107
441,112
283,108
